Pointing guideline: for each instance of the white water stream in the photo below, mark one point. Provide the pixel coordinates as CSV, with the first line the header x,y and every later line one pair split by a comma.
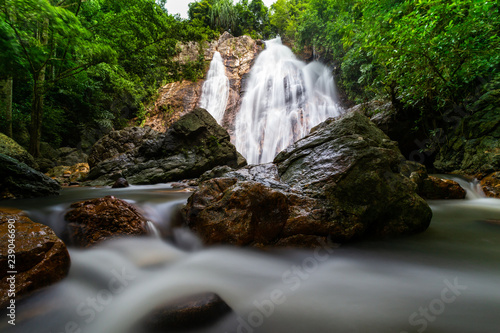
x,y
399,285
215,91
284,99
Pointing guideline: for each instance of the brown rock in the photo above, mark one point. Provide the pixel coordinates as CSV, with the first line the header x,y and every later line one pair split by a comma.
x,y
243,213
41,258
175,100
186,313
239,55
491,185
92,221
434,188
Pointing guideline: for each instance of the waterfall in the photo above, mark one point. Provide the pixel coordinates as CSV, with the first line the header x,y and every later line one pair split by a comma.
x,y
215,90
284,99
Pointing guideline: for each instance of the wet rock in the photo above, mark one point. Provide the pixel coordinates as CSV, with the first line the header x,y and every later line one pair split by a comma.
x,y
188,313
246,214
120,183
491,185
17,180
342,182
474,147
93,221
192,145
354,169
11,148
434,188
69,174
41,258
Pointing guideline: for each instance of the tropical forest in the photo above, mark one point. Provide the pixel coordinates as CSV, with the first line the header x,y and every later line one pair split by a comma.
x,y
249,166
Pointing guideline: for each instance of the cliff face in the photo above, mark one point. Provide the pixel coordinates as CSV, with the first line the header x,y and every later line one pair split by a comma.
x,y
178,98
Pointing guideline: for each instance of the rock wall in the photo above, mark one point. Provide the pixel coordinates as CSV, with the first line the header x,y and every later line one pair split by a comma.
x,y
178,98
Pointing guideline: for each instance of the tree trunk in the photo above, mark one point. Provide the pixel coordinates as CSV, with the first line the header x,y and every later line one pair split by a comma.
x,y
6,103
37,102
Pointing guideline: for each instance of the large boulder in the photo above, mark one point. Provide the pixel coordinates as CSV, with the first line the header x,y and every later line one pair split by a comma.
x,y
191,146
41,258
474,147
11,148
17,180
342,182
93,221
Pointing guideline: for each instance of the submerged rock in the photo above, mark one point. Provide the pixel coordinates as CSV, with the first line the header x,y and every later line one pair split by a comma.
x,y
93,221
191,146
120,183
342,182
17,180
41,258
187,313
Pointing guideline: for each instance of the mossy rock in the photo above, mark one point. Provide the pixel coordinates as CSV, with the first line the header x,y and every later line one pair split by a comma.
x,y
11,148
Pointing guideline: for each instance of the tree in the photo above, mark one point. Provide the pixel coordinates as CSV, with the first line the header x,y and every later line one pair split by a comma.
x,y
53,44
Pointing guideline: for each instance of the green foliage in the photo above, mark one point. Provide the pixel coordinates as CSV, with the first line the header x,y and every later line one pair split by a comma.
x,y
428,55
243,18
286,16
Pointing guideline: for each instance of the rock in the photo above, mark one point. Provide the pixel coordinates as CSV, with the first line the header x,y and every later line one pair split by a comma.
x,y
70,156
118,142
69,174
474,147
491,185
120,183
239,55
398,126
41,258
93,221
192,145
246,214
188,313
44,164
342,182
434,188
17,180
11,148
175,100
48,152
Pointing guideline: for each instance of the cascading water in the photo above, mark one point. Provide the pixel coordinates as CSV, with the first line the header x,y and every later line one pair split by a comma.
x,y
285,98
215,89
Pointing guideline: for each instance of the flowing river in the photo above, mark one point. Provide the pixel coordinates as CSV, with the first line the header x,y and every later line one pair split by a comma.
x,y
446,280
